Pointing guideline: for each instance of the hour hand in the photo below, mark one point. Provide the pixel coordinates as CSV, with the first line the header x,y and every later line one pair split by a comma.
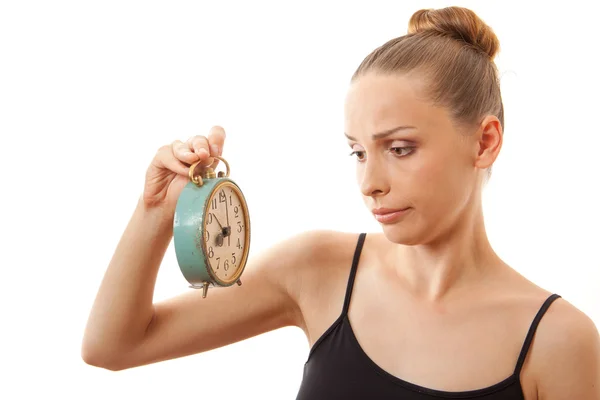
x,y
225,232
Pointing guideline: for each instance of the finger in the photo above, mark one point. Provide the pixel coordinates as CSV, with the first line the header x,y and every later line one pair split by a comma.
x,y
165,158
200,146
182,152
216,140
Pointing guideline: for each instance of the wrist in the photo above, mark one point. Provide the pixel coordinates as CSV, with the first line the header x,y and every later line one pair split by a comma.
x,y
158,213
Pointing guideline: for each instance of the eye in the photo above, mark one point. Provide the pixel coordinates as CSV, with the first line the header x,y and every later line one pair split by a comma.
x,y
359,154
398,151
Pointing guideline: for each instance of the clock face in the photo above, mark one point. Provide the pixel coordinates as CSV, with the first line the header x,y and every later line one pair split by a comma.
x,y
226,232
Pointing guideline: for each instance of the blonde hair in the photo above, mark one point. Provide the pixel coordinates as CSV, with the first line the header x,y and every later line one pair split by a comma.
x,y
454,50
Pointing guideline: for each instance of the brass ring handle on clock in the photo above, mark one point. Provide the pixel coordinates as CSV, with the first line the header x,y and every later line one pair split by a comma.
x,y
208,172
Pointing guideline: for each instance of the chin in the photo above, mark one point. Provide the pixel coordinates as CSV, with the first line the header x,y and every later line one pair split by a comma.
x,y
403,231
400,234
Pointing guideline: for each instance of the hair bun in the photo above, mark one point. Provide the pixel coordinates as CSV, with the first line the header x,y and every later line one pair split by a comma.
x,y
459,23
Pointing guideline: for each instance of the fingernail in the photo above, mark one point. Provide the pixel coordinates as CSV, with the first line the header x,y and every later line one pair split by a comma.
x,y
214,150
201,151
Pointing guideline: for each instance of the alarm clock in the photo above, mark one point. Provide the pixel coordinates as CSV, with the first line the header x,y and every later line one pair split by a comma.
x,y
211,229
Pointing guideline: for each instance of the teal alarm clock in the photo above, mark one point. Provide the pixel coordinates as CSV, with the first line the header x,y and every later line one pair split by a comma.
x,y
211,229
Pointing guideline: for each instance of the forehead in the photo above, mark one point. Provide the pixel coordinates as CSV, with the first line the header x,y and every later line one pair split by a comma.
x,y
377,102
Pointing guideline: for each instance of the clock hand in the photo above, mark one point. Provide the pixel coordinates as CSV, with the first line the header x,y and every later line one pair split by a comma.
x,y
228,226
224,232
221,226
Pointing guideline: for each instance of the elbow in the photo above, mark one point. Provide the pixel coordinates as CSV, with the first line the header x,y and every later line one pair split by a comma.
x,y
100,359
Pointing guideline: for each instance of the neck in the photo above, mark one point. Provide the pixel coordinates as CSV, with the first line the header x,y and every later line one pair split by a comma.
x,y
456,258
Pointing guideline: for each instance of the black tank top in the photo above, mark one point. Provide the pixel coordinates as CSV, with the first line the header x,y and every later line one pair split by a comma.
x,y
337,367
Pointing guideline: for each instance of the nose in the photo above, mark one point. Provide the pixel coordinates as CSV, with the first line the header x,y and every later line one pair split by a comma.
x,y
373,178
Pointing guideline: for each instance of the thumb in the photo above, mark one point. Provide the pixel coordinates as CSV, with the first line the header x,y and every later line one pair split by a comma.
x,y
216,140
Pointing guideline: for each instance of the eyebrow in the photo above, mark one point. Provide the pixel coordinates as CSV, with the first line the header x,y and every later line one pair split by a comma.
x,y
381,135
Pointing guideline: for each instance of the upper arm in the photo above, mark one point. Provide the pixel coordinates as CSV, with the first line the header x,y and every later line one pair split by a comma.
x,y
568,363
189,324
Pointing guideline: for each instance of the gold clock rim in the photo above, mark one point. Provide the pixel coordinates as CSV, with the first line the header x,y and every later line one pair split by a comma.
x,y
244,258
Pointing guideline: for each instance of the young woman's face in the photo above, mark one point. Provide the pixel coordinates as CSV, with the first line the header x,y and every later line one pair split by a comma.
x,y
420,160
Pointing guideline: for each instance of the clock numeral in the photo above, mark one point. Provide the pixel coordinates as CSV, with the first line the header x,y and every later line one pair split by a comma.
x,y
237,210
239,245
218,262
214,203
240,226
226,265
209,218
222,197
211,253
230,201
206,236
233,256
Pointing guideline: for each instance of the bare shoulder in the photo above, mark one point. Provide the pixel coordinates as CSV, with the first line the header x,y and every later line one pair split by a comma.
x,y
318,245
566,354
564,358
324,258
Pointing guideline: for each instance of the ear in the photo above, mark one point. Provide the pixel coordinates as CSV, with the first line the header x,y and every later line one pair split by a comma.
x,y
489,142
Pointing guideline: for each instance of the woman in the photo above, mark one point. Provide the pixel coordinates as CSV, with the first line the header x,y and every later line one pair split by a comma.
x,y
424,310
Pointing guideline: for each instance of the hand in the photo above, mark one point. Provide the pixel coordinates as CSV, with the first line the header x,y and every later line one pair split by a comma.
x,y
168,172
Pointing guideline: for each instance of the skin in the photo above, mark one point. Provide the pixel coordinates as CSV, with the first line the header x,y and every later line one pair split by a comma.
x,y
436,274
429,291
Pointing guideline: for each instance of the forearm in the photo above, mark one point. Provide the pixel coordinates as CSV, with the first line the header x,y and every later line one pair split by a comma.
x,y
123,306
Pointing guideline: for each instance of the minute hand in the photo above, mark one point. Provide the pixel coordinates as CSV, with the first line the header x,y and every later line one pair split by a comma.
x,y
228,226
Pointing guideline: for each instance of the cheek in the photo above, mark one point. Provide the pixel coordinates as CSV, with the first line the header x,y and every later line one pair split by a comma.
x,y
439,185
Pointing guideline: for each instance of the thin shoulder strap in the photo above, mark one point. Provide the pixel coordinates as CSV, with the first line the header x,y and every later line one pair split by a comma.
x,y
531,333
357,251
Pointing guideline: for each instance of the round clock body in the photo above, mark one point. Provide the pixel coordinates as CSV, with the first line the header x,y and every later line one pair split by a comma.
x,y
211,232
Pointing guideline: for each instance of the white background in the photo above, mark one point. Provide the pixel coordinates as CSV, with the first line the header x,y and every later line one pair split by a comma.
x,y
89,91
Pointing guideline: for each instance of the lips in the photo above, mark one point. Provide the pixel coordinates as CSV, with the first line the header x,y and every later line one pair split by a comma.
x,y
390,215
383,211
